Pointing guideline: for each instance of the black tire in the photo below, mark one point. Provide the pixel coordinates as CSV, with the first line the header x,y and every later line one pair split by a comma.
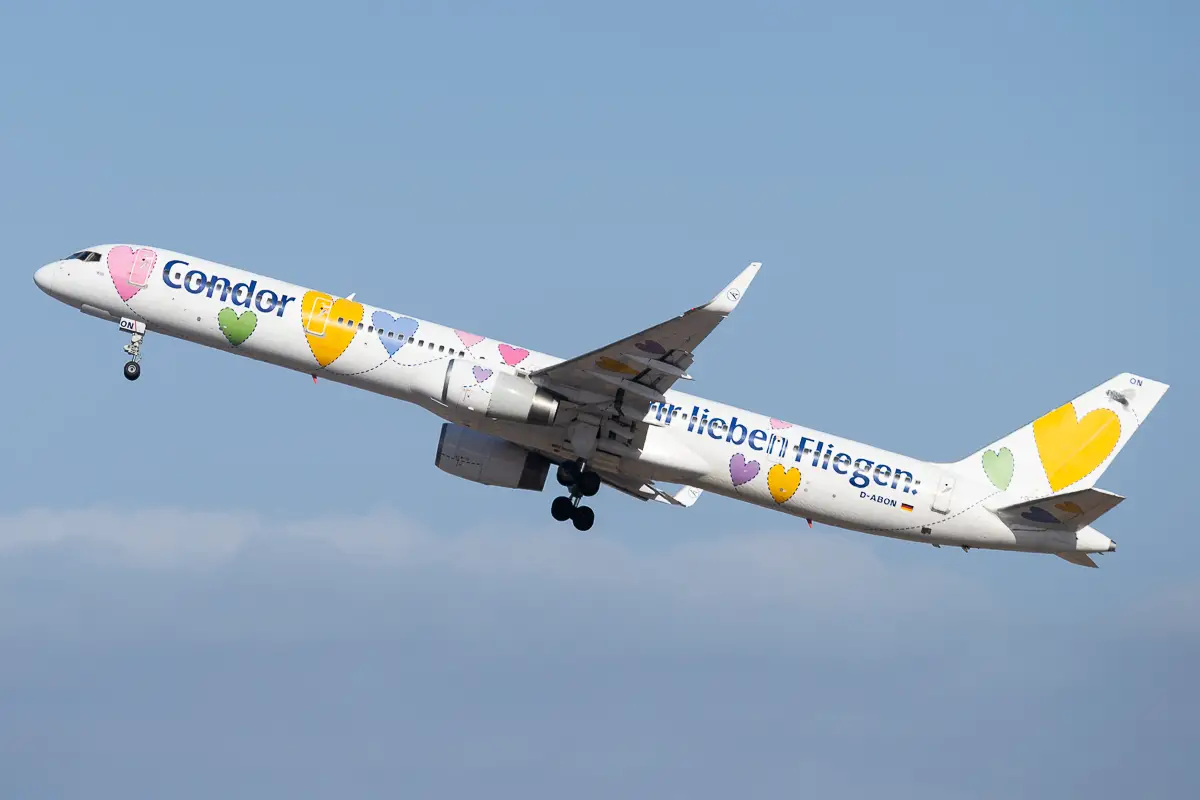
x,y
583,518
561,508
133,370
566,474
589,484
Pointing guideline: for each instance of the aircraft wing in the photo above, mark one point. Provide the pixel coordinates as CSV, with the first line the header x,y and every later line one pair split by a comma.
x,y
643,366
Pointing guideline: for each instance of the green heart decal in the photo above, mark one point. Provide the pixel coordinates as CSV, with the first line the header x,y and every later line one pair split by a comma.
x,y
999,467
236,327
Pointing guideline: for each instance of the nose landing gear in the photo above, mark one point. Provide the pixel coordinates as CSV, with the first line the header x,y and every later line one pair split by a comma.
x,y
137,332
581,482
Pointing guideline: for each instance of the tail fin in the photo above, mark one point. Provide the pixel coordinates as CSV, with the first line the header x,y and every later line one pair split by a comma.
x,y
1070,447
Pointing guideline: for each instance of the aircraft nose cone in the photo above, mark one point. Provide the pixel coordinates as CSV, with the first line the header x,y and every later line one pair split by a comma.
x,y
44,277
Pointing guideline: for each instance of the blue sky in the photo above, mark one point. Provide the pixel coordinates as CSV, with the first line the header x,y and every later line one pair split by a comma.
x,y
967,216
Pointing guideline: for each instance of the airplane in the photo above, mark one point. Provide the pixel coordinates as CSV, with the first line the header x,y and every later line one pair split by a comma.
x,y
613,417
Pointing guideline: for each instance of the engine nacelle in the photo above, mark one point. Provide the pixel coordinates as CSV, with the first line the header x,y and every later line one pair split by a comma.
x,y
489,459
470,386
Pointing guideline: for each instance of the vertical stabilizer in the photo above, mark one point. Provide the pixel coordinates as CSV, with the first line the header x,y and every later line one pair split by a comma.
x,y
1069,447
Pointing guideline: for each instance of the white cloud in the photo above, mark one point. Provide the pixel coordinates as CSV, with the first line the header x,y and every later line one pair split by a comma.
x,y
175,635
817,570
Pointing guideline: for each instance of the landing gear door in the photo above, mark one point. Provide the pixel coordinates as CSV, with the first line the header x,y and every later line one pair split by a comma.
x,y
941,499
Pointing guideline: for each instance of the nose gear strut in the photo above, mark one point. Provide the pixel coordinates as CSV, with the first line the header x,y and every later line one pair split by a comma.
x,y
137,332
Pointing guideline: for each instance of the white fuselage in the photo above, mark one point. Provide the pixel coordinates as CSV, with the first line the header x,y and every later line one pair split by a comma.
x,y
729,451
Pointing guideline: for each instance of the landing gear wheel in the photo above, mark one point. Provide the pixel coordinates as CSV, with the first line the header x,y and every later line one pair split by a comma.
x,y
133,370
582,518
561,508
588,484
566,474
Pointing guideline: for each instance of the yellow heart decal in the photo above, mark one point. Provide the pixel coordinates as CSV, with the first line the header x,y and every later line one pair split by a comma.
x,y
329,325
612,365
783,482
1071,448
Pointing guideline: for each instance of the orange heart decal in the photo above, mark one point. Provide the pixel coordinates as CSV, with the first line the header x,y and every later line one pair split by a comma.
x,y
783,482
329,325
1071,448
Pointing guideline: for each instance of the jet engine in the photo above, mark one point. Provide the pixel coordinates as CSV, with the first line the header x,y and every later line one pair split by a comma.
x,y
489,459
469,386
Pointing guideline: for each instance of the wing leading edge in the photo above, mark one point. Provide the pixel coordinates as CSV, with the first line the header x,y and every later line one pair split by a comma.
x,y
645,365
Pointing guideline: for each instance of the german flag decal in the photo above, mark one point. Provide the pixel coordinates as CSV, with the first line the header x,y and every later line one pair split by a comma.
x,y
905,507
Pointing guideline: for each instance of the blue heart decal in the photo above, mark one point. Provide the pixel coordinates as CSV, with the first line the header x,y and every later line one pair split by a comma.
x,y
1039,514
400,329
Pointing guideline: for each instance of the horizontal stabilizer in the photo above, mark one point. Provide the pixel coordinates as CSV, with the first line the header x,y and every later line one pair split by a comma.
x,y
686,497
1068,511
1082,559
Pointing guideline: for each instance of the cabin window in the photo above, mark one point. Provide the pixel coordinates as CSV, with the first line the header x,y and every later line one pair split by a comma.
x,y
341,320
431,345
410,340
421,343
391,334
370,329
442,348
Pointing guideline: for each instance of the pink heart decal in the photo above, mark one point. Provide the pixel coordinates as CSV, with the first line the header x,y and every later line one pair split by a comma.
x,y
129,270
469,339
481,374
513,355
778,424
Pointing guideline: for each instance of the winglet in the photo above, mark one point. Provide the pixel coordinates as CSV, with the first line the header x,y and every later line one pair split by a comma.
x,y
728,298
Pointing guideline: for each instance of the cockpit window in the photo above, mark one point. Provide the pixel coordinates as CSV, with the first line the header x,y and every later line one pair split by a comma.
x,y
83,255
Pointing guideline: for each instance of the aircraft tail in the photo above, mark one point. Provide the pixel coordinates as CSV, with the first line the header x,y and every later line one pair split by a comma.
x,y
1068,448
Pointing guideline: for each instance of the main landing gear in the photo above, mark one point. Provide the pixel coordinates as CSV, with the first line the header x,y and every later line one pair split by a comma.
x,y
581,482
137,332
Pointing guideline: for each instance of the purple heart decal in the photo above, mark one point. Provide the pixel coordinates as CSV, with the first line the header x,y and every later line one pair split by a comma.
x,y
742,471
1039,514
651,346
393,331
481,374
